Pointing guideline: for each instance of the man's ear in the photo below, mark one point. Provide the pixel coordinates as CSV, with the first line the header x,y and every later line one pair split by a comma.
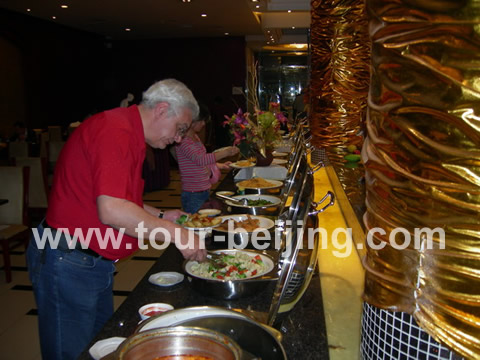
x,y
161,109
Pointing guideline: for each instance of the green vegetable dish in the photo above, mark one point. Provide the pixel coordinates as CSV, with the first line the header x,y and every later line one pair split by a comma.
x,y
259,202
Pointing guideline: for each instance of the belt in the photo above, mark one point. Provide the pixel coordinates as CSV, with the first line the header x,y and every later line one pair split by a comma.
x,y
63,246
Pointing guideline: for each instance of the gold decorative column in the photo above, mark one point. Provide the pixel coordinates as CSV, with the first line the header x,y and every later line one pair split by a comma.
x,y
422,160
340,60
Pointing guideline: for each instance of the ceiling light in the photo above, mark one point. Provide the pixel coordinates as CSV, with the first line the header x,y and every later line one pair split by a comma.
x,y
64,6
227,33
54,17
29,10
254,0
293,27
257,6
186,1
289,11
204,15
128,29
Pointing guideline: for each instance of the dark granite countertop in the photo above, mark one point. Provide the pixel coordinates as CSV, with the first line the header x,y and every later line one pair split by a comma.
x,y
303,328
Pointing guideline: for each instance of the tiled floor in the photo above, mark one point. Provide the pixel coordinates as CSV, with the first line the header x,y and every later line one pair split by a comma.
x,y
18,314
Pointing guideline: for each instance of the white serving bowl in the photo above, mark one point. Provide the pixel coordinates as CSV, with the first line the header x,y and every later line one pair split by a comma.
x,y
149,310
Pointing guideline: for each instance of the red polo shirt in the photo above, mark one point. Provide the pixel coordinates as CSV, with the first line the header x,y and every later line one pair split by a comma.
x,y
103,156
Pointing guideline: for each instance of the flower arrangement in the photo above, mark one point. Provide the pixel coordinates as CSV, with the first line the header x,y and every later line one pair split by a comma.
x,y
257,132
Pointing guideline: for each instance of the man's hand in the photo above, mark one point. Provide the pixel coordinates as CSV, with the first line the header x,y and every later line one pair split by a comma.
x,y
173,215
191,246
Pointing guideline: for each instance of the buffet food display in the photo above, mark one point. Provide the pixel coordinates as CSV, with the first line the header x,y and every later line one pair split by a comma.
x,y
238,265
236,273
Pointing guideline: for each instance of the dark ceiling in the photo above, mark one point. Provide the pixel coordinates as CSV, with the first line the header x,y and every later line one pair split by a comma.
x,y
148,19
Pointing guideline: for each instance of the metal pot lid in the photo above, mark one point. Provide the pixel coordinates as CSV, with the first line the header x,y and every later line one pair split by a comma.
x,y
250,334
214,338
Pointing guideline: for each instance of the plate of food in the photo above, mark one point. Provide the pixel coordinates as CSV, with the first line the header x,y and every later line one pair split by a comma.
x,y
201,222
259,183
241,164
238,265
245,222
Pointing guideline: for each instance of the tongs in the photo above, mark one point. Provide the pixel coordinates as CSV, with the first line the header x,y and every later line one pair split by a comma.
x,y
243,201
216,260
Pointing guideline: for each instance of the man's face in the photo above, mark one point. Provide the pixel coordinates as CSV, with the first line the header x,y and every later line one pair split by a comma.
x,y
167,129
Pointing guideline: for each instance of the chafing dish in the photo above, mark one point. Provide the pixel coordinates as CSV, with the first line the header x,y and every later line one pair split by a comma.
x,y
233,289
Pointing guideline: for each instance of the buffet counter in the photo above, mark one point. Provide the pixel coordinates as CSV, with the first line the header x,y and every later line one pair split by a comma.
x,y
340,269
303,329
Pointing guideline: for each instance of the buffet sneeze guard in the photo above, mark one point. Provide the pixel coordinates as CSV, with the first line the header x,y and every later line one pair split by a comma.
x,y
298,256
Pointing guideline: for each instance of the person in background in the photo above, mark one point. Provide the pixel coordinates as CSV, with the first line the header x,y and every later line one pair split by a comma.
x,y
298,104
125,102
97,187
199,169
21,133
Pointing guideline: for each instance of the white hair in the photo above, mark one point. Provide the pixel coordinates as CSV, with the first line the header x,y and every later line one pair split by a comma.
x,y
173,92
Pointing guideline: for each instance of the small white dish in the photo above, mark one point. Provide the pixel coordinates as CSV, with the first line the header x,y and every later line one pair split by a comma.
x,y
279,154
149,310
166,278
104,347
209,212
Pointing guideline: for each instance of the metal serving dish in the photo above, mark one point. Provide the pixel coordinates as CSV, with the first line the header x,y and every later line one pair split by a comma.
x,y
237,288
270,209
241,238
193,341
255,338
274,189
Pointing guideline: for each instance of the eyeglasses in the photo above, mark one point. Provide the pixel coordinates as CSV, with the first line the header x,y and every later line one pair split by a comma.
x,y
182,130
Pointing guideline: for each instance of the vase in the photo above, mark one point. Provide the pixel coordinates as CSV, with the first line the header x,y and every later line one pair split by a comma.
x,y
264,160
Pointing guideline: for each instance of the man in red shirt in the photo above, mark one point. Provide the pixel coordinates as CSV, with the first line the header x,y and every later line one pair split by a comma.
x,y
96,212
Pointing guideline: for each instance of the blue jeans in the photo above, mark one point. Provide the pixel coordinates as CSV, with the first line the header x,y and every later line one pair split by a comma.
x,y
74,297
193,201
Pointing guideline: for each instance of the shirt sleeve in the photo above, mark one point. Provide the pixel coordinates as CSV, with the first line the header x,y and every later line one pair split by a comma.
x,y
196,152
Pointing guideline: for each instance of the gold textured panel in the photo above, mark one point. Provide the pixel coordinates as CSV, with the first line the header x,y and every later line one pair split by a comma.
x,y
422,161
339,74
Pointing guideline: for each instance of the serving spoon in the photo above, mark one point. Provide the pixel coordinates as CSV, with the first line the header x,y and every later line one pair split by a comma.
x,y
243,201
216,260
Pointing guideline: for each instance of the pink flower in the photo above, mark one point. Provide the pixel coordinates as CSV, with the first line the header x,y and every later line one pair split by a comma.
x,y
238,138
281,118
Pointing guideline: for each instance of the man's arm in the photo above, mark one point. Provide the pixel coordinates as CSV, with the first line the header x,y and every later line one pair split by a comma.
x,y
121,213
